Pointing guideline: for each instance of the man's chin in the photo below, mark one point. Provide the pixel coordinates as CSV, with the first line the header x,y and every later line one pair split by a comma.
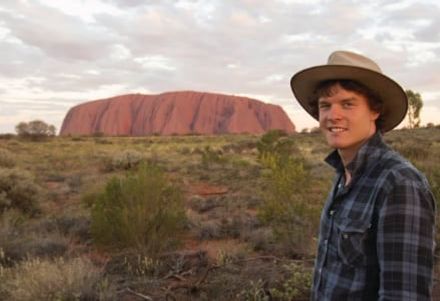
x,y
335,144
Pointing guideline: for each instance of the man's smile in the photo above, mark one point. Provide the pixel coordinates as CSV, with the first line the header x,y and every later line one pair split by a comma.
x,y
335,129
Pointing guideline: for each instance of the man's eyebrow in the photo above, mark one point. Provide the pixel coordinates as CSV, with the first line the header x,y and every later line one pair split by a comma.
x,y
342,100
349,99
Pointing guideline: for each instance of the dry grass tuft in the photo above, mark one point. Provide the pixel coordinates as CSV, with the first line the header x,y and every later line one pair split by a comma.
x,y
59,279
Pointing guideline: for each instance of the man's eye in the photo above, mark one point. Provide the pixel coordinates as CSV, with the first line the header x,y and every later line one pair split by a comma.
x,y
347,105
324,105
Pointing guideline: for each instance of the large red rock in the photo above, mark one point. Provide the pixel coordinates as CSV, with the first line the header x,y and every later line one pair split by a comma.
x,y
175,113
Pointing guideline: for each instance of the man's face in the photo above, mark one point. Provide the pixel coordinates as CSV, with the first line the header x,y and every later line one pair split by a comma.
x,y
345,119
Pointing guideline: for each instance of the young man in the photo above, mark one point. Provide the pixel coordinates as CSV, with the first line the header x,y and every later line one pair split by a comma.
x,y
377,227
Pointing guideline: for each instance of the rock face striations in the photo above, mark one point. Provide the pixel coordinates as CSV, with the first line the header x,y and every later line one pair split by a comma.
x,y
175,113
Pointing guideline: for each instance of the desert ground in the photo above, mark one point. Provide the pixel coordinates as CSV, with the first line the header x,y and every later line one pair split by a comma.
x,y
229,217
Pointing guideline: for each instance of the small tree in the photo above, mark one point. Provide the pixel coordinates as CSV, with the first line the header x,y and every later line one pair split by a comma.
x,y
143,211
35,129
286,207
415,104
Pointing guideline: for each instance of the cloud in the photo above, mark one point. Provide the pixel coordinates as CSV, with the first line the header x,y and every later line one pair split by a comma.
x,y
241,47
54,33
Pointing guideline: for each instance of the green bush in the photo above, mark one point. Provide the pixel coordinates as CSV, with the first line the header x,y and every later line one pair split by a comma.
x,y
285,205
18,191
7,159
142,211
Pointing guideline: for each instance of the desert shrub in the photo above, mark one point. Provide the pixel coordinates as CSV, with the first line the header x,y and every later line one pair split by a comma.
x,y
240,147
18,190
227,256
297,285
275,142
209,230
285,206
21,238
224,284
126,159
10,222
55,176
235,225
184,150
242,281
211,156
88,198
7,159
203,205
77,226
59,279
75,182
36,245
142,210
103,141
260,239
255,291
76,138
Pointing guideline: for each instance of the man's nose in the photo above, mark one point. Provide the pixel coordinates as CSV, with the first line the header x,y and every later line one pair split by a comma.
x,y
334,112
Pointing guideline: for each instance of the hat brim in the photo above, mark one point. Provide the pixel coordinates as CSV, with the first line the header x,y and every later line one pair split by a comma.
x,y
395,103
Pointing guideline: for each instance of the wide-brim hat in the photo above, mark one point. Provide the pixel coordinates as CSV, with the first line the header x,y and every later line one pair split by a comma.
x,y
346,65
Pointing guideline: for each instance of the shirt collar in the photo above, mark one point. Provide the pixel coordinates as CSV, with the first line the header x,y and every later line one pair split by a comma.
x,y
368,154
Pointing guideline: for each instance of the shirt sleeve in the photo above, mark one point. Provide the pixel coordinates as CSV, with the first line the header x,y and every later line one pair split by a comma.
x,y
405,243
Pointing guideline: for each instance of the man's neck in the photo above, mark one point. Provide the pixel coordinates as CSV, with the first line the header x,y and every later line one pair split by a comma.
x,y
347,177
348,155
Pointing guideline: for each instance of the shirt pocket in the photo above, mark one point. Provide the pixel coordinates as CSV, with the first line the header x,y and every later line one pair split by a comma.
x,y
351,242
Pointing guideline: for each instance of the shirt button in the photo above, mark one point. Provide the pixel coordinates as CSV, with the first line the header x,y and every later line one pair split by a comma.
x,y
331,212
326,241
320,270
345,236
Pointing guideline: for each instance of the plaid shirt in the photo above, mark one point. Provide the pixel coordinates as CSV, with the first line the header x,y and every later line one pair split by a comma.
x,y
377,234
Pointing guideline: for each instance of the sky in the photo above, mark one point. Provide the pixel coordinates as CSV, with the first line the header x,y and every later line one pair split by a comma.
x,y
56,54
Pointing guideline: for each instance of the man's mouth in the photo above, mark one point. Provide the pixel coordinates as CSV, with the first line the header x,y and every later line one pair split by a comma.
x,y
336,129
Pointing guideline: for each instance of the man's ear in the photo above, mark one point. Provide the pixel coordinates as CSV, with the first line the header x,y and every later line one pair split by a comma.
x,y
374,115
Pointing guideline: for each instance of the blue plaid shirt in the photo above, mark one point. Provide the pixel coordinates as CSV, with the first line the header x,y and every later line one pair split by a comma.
x,y
377,233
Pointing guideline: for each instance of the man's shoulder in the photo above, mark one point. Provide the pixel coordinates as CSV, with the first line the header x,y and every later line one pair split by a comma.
x,y
398,169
